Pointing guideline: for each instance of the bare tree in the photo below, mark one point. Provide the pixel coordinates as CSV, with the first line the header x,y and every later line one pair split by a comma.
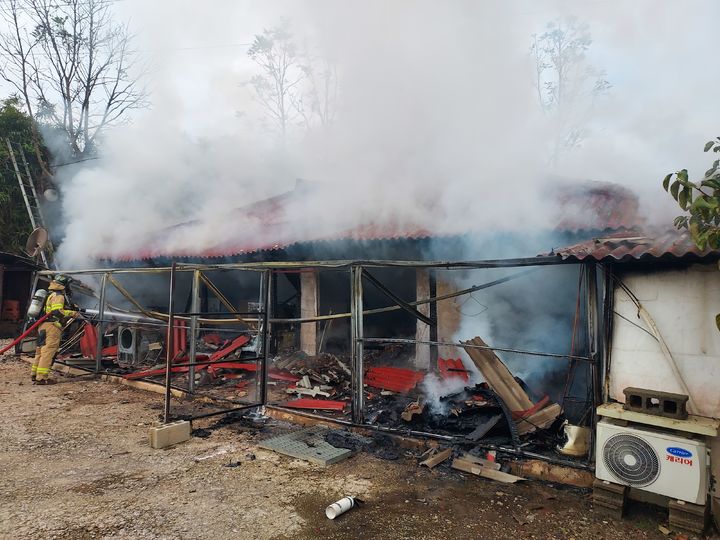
x,y
278,86
566,84
319,101
295,88
73,69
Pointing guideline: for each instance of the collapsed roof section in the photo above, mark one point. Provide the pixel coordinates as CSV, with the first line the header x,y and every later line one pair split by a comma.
x,y
288,219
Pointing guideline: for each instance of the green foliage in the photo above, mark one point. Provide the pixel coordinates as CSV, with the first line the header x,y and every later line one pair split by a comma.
x,y
701,201
14,222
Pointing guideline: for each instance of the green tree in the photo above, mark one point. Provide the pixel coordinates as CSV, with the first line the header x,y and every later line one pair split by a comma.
x,y
14,220
700,200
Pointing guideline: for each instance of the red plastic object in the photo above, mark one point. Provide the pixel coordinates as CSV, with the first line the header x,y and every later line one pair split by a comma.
x,y
318,404
179,338
393,379
88,341
110,351
448,366
532,410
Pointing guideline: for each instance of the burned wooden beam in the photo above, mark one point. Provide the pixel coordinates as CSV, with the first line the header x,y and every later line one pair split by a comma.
x,y
498,376
485,425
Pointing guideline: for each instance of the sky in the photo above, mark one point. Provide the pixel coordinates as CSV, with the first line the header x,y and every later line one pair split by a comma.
x,y
437,120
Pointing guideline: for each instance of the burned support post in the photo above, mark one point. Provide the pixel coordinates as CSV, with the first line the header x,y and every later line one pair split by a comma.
x,y
194,308
169,344
607,328
309,309
264,335
593,341
101,324
423,331
434,318
356,344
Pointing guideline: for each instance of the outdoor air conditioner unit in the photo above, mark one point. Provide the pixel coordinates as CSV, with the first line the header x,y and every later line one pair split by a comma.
x,y
653,460
128,344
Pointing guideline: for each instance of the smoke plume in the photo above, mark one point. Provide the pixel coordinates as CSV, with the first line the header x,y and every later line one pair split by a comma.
x,y
437,122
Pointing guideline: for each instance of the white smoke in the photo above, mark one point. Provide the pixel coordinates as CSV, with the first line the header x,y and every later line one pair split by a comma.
x,y
438,123
434,388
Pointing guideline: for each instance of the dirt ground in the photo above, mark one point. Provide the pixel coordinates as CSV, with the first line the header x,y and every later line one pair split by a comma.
x,y
75,464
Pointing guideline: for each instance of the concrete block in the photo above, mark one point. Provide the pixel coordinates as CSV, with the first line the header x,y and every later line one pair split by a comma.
x,y
656,402
164,435
609,499
688,517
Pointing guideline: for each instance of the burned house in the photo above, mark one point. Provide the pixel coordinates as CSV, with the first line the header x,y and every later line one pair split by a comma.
x,y
470,338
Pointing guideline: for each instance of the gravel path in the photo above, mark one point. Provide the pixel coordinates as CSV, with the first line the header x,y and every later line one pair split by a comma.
x,y
75,464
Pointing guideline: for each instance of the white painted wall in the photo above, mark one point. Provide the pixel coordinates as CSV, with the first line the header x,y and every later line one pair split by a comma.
x,y
683,304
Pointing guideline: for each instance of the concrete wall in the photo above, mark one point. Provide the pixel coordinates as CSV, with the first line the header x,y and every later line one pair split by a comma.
x,y
683,304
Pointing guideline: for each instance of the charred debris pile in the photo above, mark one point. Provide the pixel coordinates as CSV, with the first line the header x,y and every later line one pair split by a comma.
x,y
501,411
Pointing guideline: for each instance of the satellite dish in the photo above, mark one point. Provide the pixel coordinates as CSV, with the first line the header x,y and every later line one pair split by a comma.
x,y
36,241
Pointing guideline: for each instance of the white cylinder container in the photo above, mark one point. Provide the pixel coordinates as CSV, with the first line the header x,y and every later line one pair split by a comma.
x,y
339,507
37,304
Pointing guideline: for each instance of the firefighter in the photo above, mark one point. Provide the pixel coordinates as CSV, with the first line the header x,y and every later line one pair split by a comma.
x,y
50,331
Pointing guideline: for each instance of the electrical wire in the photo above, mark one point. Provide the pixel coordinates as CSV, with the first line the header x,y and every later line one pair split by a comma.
x,y
636,325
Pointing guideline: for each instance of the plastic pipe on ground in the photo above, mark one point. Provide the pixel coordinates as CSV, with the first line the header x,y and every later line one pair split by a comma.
x,y
339,507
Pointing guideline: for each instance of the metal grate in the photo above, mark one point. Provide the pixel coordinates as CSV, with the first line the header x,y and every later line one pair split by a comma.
x,y
631,460
308,444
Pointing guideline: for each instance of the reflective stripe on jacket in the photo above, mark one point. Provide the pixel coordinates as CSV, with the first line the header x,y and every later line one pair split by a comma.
x,y
56,302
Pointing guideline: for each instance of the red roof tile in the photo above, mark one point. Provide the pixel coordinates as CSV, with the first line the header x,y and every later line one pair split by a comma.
x,y
273,224
634,245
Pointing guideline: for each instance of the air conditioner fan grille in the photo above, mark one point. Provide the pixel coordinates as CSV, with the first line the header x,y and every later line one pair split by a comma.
x,y
631,460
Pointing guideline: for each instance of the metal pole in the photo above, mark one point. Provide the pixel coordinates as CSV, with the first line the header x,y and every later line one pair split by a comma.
x,y
267,296
434,318
100,325
194,333
169,345
592,329
592,335
356,347
607,331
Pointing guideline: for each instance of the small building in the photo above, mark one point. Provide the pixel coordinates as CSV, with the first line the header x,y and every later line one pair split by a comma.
x,y
662,332
16,278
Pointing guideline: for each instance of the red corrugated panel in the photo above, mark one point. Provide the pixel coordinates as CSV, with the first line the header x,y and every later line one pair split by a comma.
x,y
393,379
452,368
636,246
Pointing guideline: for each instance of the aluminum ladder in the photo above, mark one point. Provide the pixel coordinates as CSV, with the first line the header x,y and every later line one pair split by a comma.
x,y
32,203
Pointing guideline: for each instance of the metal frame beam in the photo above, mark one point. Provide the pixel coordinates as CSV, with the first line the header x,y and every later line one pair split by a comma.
x,y
399,301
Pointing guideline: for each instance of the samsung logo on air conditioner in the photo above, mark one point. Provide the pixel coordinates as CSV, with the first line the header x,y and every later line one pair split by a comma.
x,y
679,452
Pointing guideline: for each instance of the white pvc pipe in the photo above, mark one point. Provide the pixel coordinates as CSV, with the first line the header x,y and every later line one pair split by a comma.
x,y
339,507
